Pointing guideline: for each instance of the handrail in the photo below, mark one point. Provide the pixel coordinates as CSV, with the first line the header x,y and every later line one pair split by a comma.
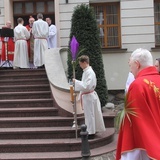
x,y
57,76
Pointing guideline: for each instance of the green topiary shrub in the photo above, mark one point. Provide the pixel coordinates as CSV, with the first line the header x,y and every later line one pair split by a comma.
x,y
84,28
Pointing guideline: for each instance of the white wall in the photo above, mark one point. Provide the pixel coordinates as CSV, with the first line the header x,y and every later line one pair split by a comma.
x,y
66,11
137,24
137,30
116,68
1,13
2,18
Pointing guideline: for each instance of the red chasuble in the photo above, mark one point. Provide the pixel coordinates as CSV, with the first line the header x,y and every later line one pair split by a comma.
x,y
28,27
10,49
28,41
143,130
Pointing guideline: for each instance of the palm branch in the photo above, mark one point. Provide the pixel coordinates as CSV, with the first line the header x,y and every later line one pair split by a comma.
x,y
124,113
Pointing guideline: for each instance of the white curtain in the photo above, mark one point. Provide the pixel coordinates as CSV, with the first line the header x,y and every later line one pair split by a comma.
x,y
100,22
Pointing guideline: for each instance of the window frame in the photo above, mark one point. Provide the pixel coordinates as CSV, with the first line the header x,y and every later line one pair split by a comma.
x,y
34,7
157,44
105,26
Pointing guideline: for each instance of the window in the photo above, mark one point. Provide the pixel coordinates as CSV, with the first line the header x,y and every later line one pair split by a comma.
x,y
40,7
18,8
28,8
157,22
34,7
108,21
50,6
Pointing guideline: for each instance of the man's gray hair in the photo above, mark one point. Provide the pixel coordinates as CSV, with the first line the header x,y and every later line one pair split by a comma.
x,y
39,16
19,20
143,56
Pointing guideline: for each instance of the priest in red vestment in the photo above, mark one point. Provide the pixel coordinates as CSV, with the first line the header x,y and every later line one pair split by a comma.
x,y
30,42
139,135
10,41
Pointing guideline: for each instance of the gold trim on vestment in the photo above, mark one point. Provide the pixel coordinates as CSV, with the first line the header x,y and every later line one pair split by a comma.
x,y
10,52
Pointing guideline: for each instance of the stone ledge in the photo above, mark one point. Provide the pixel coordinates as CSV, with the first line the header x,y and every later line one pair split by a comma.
x,y
113,50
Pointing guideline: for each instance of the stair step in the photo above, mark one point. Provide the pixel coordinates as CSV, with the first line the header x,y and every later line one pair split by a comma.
x,y
22,72
52,145
23,76
48,121
37,133
64,155
20,88
24,81
28,112
20,103
30,128
25,95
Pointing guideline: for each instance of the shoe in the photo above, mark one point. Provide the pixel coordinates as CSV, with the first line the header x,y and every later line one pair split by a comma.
x,y
91,136
41,66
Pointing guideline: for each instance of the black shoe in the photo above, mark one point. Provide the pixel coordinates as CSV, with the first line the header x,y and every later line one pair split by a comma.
x,y
41,66
91,136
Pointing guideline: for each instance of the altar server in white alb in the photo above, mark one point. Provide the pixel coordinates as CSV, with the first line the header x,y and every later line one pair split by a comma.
x,y
89,98
52,37
40,31
21,35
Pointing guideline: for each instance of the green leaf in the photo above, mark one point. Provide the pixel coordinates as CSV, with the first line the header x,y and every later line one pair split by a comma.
x,y
125,113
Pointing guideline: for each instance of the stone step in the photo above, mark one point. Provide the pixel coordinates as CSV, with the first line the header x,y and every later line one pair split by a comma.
x,y
23,103
24,81
108,152
49,121
28,112
20,88
25,95
21,71
37,133
23,76
30,125
41,144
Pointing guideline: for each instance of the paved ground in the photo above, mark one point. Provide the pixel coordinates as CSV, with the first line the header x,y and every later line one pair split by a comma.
x,y
108,156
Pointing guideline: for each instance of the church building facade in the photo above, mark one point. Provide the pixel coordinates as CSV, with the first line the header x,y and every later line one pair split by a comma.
x,y
124,26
